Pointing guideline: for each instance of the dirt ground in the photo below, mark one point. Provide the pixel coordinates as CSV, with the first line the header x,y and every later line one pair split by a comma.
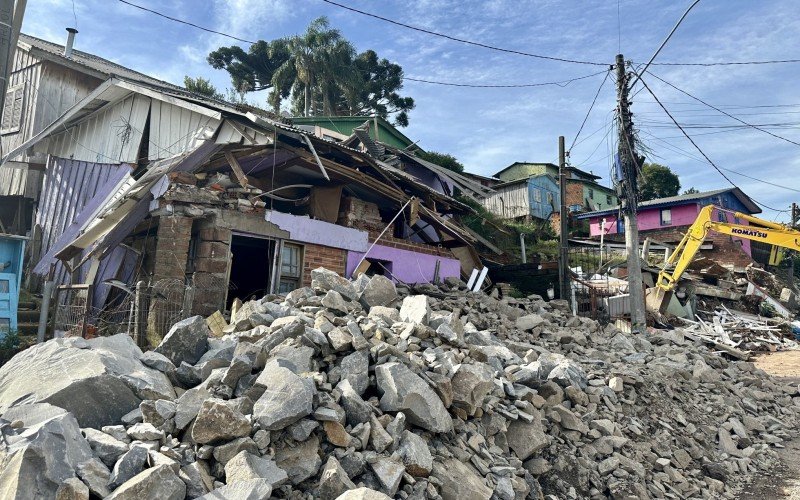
x,y
784,481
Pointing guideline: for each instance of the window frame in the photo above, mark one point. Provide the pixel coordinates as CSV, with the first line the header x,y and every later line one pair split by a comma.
x,y
537,195
15,124
288,278
662,220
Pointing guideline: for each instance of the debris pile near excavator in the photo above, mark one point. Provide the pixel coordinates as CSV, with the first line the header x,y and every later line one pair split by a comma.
x,y
358,390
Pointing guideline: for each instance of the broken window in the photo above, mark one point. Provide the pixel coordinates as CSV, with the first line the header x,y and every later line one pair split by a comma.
x,y
666,217
12,109
291,268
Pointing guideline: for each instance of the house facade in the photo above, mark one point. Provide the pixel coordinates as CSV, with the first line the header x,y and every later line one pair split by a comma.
x,y
666,220
537,196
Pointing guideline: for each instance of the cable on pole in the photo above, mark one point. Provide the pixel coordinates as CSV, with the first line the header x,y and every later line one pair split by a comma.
x,y
562,83
591,106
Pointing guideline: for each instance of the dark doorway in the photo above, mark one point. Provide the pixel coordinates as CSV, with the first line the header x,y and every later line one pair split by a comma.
x,y
251,265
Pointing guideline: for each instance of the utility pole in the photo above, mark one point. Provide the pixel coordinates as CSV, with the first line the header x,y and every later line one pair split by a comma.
x,y
793,225
563,248
628,170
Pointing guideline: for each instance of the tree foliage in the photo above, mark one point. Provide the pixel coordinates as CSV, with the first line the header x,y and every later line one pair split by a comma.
x,y
691,190
657,181
201,86
320,72
442,159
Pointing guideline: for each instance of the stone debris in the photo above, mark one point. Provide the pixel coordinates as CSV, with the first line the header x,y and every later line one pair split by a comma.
x,y
364,390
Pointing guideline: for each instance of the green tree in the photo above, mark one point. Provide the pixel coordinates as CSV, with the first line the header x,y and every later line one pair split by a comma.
x,y
201,86
691,190
321,73
657,181
442,159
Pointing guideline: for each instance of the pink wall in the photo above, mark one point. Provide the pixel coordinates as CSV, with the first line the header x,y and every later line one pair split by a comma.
x,y
650,219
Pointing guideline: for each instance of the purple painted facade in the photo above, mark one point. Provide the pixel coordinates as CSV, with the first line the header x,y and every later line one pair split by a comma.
x,y
406,266
304,229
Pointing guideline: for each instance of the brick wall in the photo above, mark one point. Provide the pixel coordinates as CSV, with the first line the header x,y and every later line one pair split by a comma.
x,y
172,247
575,194
211,269
315,256
360,214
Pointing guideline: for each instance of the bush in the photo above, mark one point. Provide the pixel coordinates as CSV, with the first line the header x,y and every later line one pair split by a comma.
x,y
9,346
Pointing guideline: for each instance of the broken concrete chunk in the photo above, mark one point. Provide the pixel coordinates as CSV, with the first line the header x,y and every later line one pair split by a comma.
x,y
415,309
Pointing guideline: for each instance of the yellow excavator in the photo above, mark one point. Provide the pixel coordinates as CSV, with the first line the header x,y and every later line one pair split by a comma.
x,y
773,233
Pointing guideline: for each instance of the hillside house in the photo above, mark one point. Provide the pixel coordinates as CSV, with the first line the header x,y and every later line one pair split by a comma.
x,y
46,80
666,220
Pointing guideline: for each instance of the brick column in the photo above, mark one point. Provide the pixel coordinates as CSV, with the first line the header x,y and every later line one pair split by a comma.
x,y
172,247
211,269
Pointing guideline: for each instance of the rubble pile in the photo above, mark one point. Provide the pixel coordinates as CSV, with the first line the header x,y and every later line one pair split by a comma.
x,y
360,390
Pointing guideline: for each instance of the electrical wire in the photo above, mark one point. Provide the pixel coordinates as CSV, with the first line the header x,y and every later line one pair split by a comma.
x,y
562,83
726,113
591,107
729,63
126,2
655,54
460,40
710,162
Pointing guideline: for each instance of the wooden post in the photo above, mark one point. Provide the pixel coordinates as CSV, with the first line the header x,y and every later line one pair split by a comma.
x,y
563,249
140,311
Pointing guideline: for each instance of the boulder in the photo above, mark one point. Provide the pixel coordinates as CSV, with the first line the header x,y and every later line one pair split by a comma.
x,y
529,322
333,481
105,447
416,455
128,465
301,461
415,309
287,399
460,481
97,380
380,291
217,421
188,406
404,391
389,315
158,483
72,489
471,383
323,279
526,438
41,454
245,466
96,476
187,341
252,489
389,471
197,478
355,367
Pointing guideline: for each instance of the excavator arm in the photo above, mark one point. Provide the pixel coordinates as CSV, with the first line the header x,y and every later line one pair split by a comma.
x,y
762,230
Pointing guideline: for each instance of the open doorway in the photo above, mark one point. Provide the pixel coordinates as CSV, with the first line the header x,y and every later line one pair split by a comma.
x,y
251,267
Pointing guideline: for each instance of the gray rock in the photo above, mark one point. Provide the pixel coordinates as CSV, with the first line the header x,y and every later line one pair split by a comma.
x,y
145,432
224,453
301,430
389,315
197,478
356,410
157,483
253,489
245,466
525,438
128,465
380,291
43,454
72,489
404,391
333,481
363,494
334,301
355,368
416,455
389,472
189,406
157,361
471,383
97,380
187,341
301,461
570,421
287,399
325,280
415,309
340,340
107,448
459,481
378,437
117,432
529,322
96,476
217,421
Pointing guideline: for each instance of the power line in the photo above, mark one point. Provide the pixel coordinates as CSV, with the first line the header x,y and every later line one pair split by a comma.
x,y
726,113
591,106
710,162
655,54
729,63
460,40
562,83
126,2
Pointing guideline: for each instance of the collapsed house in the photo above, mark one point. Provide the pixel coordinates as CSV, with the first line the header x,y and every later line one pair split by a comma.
x,y
150,183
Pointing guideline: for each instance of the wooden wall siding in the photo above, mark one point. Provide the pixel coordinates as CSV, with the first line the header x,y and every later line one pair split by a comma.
x,y
111,135
68,187
17,180
60,88
174,129
228,134
26,70
509,201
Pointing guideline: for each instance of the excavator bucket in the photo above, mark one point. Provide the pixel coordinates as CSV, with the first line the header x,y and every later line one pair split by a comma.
x,y
657,299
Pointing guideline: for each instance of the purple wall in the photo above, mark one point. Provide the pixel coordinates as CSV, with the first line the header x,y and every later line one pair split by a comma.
x,y
306,230
407,266
650,219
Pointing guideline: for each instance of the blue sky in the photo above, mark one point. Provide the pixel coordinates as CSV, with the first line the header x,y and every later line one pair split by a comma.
x,y
487,129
